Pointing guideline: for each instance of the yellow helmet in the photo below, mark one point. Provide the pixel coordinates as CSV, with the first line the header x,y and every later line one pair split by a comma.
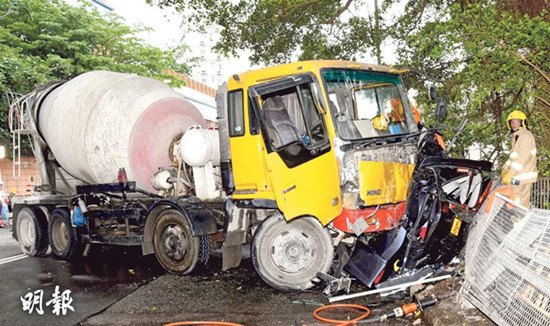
x,y
380,123
517,115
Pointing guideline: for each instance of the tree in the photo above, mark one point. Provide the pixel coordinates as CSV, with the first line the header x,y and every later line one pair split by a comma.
x,y
43,40
274,31
489,57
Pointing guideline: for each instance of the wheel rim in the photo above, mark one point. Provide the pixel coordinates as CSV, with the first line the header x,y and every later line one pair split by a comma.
x,y
60,235
173,242
293,251
288,256
26,231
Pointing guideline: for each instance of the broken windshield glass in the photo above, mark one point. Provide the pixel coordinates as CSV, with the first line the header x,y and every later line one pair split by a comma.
x,y
367,104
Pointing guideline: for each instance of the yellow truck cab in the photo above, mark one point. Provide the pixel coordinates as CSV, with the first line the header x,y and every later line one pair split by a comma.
x,y
315,141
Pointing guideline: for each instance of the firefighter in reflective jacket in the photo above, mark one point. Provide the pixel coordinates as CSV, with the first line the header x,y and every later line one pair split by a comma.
x,y
520,170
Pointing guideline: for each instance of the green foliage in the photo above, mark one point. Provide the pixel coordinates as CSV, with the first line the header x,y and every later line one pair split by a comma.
x,y
43,40
484,57
275,30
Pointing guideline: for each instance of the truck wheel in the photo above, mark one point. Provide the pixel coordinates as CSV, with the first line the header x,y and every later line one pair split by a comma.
x,y
64,240
32,231
288,255
176,249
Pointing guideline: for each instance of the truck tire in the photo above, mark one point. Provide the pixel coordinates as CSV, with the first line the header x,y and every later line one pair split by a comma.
x,y
176,249
288,255
64,239
32,231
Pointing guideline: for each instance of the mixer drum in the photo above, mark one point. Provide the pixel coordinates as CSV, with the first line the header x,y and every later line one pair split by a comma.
x,y
101,121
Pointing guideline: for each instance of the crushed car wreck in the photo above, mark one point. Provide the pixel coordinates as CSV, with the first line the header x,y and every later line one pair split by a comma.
x,y
445,194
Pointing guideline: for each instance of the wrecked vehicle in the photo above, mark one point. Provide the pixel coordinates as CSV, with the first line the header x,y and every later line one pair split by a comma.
x,y
319,166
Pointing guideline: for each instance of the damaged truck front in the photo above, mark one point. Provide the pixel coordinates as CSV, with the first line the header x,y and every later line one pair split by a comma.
x,y
318,166
335,148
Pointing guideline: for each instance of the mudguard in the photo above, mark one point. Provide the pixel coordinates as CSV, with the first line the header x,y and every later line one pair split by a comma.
x,y
199,215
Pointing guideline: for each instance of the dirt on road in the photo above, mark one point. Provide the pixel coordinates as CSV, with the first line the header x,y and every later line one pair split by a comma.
x,y
238,295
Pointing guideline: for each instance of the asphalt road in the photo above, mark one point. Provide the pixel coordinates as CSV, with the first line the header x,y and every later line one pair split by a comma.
x,y
113,286
117,286
95,282
237,296
8,246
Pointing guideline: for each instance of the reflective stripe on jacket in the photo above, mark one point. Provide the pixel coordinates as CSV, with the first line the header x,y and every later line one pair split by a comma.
x,y
522,163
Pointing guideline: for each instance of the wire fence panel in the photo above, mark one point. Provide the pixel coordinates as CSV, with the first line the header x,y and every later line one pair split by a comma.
x,y
540,197
507,264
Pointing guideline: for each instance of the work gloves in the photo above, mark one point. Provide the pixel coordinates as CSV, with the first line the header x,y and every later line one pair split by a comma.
x,y
506,177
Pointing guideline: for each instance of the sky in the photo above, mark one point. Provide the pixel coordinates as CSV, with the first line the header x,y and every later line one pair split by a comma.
x,y
166,31
164,22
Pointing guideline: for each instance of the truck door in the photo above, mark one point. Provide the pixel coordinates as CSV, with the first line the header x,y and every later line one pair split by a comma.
x,y
302,167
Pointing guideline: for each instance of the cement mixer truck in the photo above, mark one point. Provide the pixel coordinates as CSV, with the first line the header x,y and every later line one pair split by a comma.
x,y
318,166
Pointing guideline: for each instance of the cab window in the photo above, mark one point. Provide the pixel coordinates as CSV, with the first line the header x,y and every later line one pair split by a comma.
x,y
291,116
235,110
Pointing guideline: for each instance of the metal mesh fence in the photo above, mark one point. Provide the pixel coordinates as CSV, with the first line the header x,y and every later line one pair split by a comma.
x,y
507,260
540,197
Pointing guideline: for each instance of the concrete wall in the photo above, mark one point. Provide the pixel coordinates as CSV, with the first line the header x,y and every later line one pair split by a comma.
x,y
30,175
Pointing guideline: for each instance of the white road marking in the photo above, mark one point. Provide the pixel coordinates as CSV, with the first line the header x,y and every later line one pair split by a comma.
x,y
12,258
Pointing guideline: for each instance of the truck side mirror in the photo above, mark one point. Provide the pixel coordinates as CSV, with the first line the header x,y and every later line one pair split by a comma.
x,y
432,93
317,97
441,111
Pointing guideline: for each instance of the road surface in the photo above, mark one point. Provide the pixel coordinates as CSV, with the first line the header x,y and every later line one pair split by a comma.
x,y
95,282
114,286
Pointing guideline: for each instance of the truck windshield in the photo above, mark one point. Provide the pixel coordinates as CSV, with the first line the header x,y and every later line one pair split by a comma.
x,y
366,104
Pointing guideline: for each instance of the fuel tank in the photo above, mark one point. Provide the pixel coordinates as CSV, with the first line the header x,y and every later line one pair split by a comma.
x,y
101,121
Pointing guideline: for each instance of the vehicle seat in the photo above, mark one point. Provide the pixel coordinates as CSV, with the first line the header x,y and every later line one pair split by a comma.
x,y
280,128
